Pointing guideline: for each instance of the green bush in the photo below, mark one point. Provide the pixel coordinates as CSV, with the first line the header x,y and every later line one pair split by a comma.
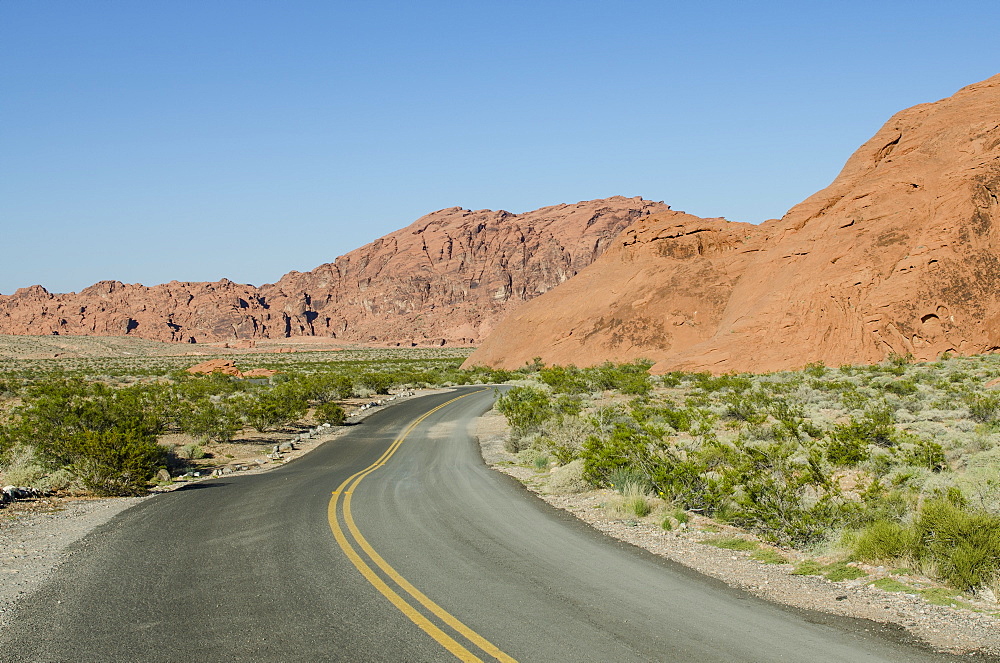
x,y
204,419
191,452
525,408
379,383
330,413
564,437
114,463
565,379
274,409
624,450
983,407
637,505
963,546
626,478
883,541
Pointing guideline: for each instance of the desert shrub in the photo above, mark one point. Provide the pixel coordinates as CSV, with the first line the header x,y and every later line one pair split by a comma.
x,y
204,419
330,413
747,408
567,479
565,379
963,546
882,541
274,409
637,505
564,437
624,450
190,452
525,409
114,463
983,407
378,383
195,387
847,444
326,387
816,369
647,414
922,452
627,479
60,407
632,379
791,419
61,479
900,387
22,467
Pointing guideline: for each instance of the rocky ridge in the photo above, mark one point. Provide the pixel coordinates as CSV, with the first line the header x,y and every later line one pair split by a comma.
x,y
898,255
445,279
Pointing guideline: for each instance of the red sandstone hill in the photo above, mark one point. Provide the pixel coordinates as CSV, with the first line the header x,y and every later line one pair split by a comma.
x,y
447,278
900,254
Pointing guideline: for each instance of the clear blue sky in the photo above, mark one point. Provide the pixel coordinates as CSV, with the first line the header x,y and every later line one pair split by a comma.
x,y
146,141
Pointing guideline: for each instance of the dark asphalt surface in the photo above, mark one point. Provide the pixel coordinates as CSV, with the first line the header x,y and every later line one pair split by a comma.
x,y
247,569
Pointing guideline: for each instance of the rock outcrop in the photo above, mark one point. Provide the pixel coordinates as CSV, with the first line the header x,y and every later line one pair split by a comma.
x,y
900,254
445,279
229,368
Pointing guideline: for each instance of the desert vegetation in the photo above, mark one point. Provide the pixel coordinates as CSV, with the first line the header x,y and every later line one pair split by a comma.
x,y
896,464
99,424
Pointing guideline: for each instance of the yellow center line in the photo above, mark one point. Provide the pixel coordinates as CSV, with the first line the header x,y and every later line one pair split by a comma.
x,y
347,489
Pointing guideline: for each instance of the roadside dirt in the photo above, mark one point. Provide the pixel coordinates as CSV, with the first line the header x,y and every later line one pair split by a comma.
x,y
953,629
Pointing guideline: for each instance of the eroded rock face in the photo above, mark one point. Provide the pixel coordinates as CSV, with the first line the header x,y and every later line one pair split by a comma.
x,y
445,279
901,253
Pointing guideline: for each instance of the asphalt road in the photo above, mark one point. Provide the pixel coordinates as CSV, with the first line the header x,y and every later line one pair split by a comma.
x,y
285,566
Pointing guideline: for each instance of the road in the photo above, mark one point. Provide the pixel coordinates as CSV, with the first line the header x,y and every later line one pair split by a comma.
x,y
285,566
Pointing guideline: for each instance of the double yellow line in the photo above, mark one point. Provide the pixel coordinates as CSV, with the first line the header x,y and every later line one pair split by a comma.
x,y
341,501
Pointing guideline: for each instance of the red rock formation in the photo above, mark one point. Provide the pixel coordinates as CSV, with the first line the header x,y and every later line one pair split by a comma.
x,y
898,255
215,366
445,279
227,367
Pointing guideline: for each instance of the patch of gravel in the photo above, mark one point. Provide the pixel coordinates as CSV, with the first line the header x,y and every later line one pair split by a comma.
x,y
954,630
37,535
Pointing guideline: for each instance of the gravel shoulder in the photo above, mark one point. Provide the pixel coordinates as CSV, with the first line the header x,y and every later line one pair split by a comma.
x,y
945,628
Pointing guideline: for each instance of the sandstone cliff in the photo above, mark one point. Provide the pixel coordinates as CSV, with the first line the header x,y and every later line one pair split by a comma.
x,y
445,279
900,254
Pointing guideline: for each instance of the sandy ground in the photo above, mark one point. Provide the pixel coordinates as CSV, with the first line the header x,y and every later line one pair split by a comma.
x,y
942,627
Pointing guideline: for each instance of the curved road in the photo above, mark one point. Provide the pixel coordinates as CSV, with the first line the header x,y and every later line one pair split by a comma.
x,y
285,566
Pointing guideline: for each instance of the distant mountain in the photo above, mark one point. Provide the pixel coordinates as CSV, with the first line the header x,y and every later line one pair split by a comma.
x,y
900,254
445,279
